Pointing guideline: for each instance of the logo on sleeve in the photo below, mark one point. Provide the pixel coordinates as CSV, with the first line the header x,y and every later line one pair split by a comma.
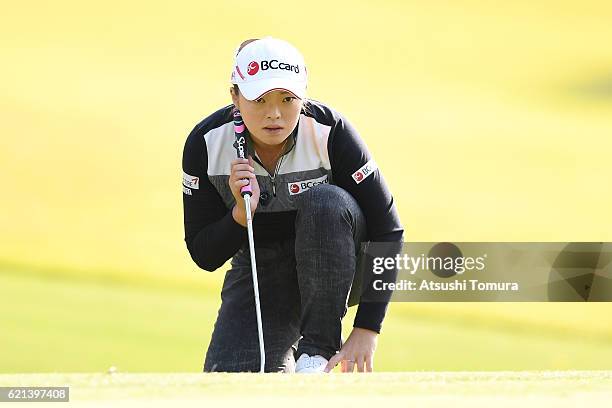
x,y
365,171
187,190
298,187
191,181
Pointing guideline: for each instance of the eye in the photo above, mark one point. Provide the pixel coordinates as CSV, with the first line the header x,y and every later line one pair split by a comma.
x,y
289,98
260,100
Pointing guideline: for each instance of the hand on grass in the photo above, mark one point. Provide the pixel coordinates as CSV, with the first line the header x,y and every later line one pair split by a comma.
x,y
357,351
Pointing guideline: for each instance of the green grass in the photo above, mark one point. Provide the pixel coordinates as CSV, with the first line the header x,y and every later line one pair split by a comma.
x,y
495,141
78,325
423,389
65,325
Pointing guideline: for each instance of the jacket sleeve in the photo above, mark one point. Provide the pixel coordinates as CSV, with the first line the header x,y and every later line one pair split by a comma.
x,y
354,170
211,233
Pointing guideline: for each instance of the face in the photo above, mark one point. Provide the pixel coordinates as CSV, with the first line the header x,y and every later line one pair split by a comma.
x,y
271,118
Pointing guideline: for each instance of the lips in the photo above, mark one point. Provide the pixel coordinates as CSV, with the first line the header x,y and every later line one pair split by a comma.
x,y
273,127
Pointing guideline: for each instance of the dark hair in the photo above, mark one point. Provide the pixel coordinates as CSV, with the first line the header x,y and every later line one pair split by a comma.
x,y
305,105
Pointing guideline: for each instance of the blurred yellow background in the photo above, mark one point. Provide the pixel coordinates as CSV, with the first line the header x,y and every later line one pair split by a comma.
x,y
491,121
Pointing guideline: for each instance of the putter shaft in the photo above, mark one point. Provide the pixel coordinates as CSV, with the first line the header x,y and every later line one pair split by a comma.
x,y
247,202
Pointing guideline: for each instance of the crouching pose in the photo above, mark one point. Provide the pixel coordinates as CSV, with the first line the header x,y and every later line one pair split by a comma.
x,y
316,196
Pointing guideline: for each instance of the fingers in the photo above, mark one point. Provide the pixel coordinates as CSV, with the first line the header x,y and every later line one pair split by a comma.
x,y
363,364
369,362
240,161
243,174
350,366
331,364
240,183
242,165
360,364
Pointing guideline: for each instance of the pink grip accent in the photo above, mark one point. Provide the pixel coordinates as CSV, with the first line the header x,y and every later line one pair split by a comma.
x,y
239,128
246,189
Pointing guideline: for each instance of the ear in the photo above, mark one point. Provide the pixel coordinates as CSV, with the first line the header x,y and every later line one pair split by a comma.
x,y
235,98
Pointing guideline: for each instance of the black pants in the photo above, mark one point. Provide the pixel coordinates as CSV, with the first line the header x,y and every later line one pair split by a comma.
x,y
304,288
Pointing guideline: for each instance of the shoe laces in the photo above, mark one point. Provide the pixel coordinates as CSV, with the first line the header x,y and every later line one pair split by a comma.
x,y
311,360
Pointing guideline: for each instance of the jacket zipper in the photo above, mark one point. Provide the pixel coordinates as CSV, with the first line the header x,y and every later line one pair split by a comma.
x,y
273,178
276,169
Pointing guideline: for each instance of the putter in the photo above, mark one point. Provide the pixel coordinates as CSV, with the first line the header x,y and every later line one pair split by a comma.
x,y
246,193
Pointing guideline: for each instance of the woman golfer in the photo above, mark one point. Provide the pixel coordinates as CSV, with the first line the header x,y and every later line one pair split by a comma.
x,y
316,196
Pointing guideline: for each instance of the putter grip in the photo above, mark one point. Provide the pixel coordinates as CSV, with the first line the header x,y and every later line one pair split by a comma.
x,y
241,147
246,190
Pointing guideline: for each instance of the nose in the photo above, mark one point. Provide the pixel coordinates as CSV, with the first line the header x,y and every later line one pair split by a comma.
x,y
273,112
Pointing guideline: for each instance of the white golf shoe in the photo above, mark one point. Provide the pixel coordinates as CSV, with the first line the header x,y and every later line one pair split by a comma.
x,y
310,364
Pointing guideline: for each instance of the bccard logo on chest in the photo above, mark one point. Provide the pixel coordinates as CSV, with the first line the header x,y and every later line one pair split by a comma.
x,y
298,187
